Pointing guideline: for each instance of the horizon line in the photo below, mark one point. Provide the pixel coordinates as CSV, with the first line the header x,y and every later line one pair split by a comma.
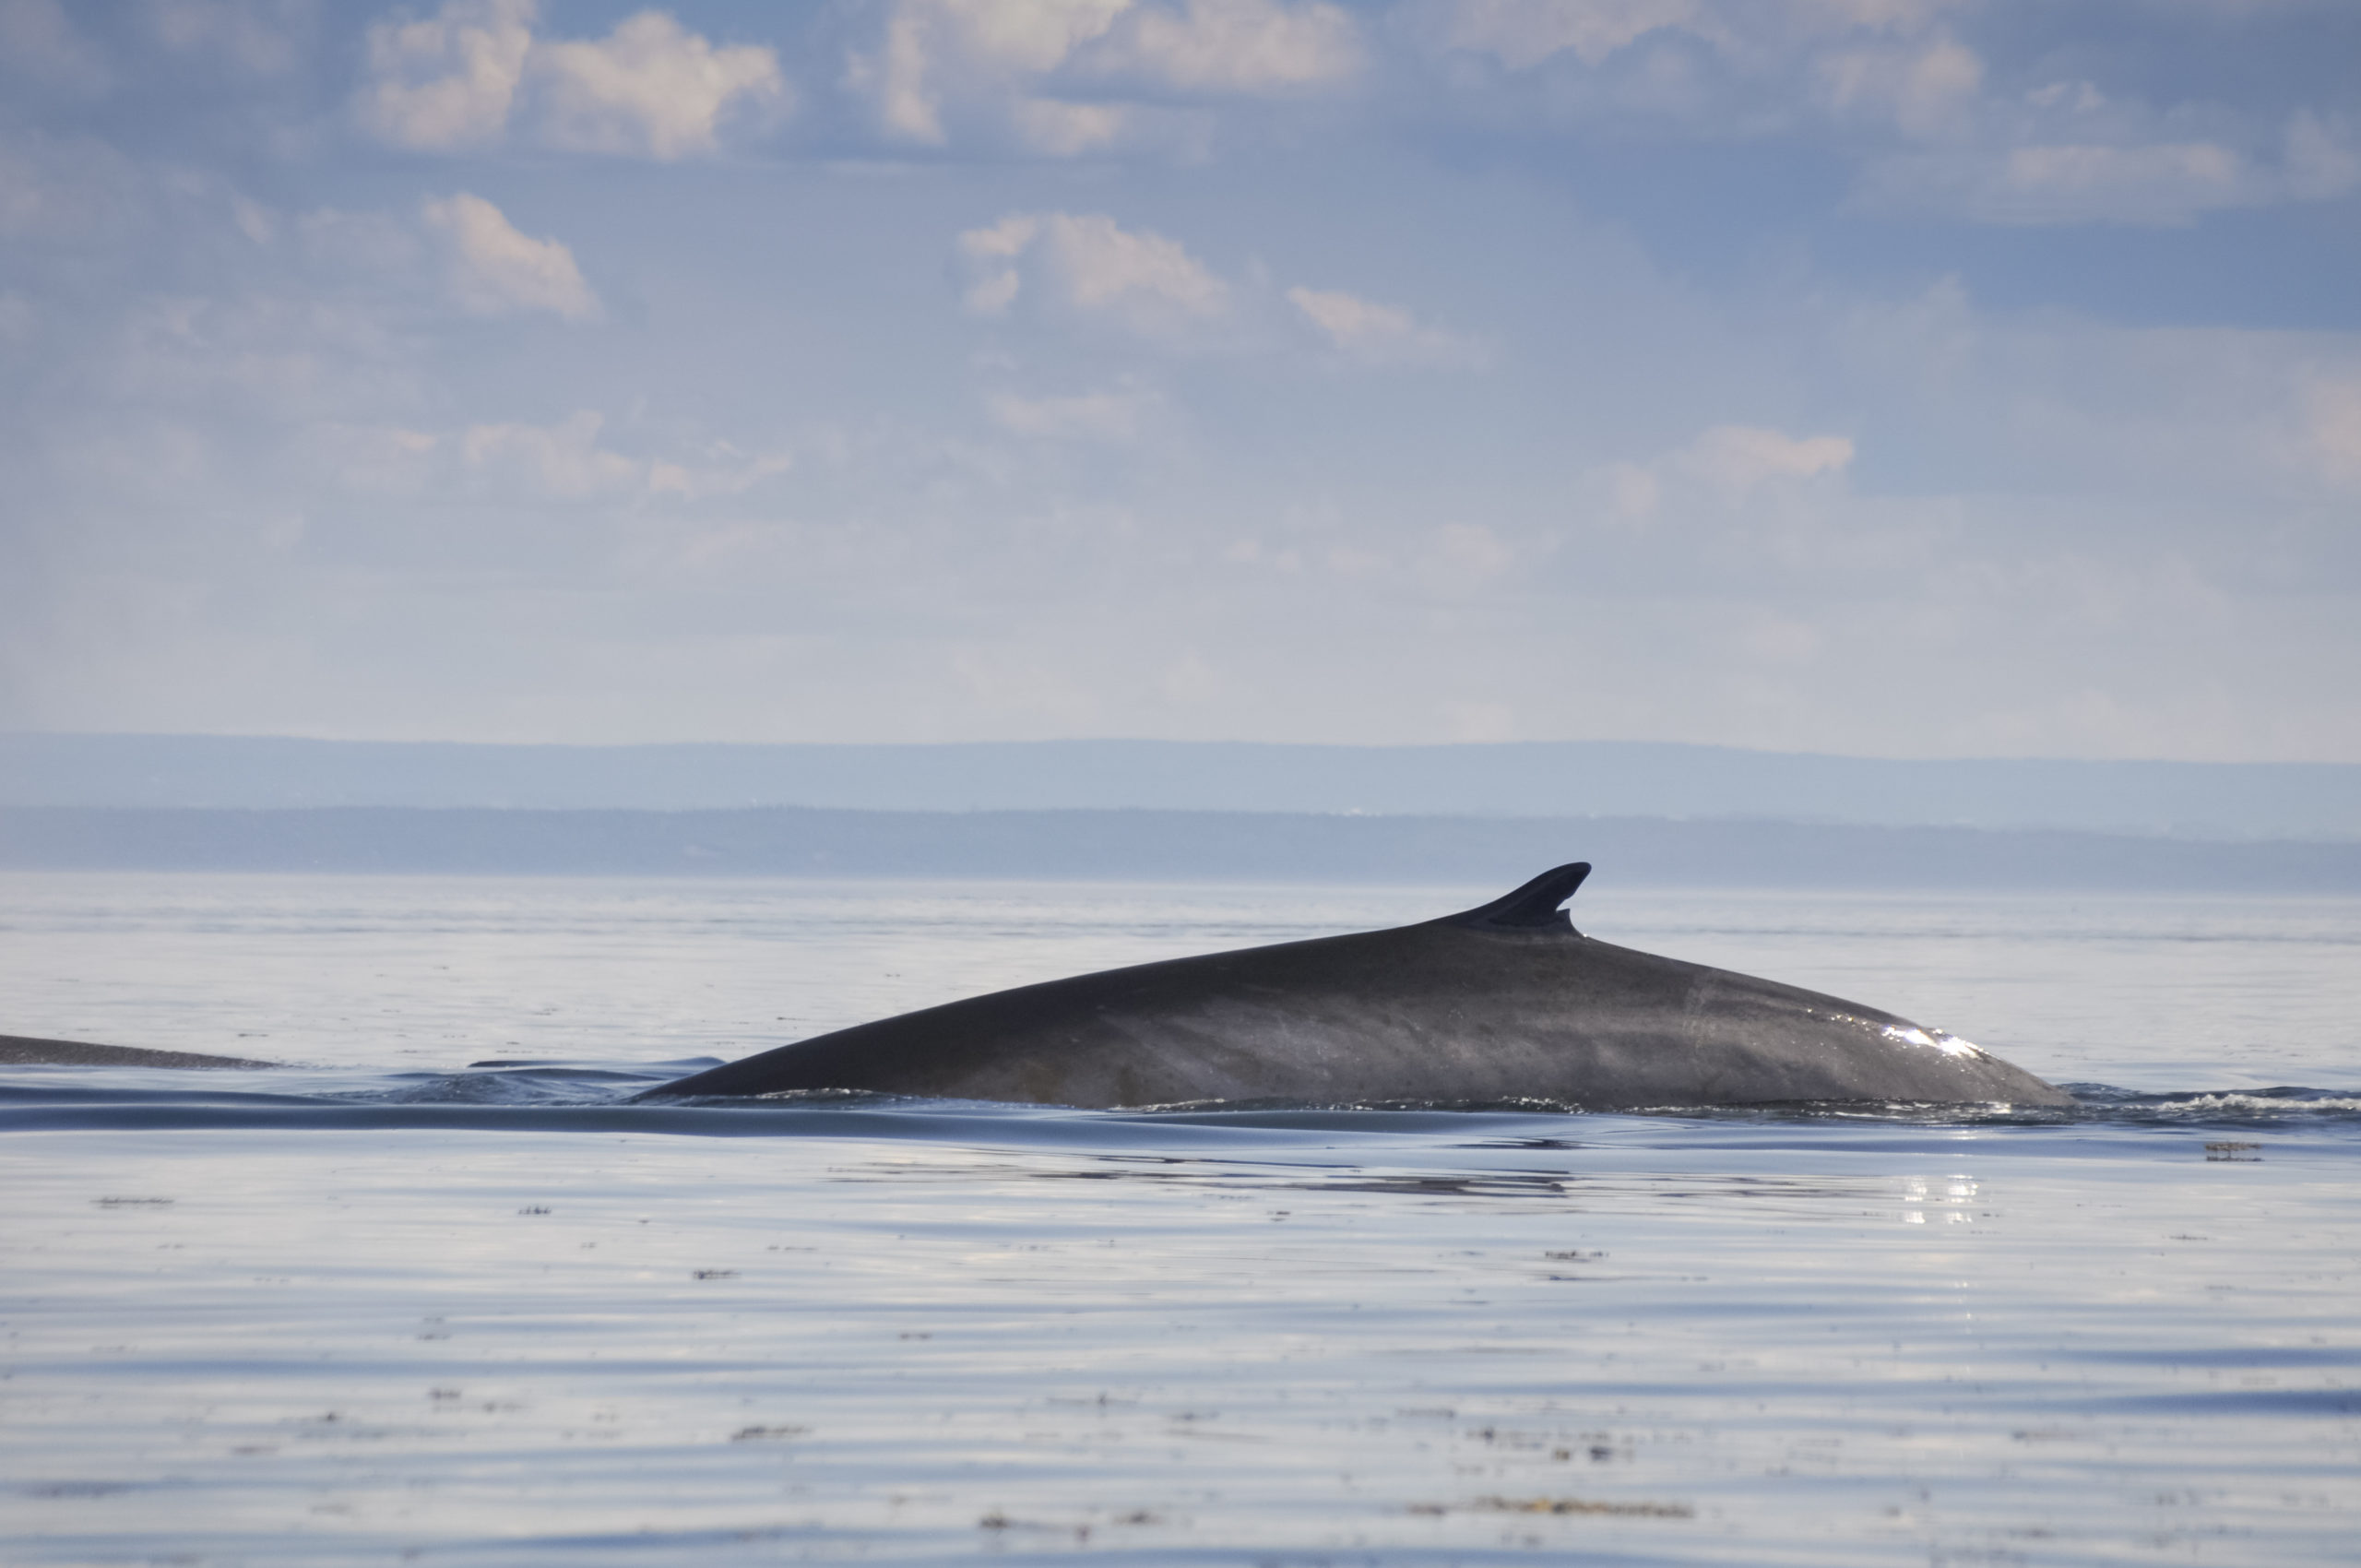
x,y
6,735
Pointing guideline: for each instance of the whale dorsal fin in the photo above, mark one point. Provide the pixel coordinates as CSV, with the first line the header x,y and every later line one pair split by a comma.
x,y
1533,906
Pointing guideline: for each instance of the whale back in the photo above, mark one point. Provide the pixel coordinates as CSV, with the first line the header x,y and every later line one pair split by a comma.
x,y
1505,1002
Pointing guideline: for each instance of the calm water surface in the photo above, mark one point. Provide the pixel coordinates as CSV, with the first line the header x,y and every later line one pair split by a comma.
x,y
387,1306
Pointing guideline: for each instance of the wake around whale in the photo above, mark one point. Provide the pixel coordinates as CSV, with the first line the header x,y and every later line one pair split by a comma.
x,y
1505,1002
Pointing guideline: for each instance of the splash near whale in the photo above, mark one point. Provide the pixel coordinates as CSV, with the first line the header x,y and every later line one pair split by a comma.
x,y
1503,1003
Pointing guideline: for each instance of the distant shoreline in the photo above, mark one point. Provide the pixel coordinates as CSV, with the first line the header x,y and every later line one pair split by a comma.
x,y
1510,779
1085,845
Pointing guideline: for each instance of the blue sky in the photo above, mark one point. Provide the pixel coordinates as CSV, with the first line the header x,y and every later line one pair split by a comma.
x,y
1900,377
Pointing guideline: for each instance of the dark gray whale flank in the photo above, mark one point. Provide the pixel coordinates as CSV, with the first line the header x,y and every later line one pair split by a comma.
x,y
1506,1002
17,1050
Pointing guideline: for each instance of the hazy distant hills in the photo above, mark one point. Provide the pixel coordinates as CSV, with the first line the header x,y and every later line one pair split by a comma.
x,y
1554,780
1475,814
1153,846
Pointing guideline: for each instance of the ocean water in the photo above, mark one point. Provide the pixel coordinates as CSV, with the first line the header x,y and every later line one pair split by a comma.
x,y
433,1294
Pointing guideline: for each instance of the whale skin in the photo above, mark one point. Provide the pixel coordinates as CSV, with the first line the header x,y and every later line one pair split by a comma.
x,y
1501,1003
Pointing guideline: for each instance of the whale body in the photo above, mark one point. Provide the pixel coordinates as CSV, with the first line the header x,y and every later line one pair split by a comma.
x,y
1505,1002
22,1050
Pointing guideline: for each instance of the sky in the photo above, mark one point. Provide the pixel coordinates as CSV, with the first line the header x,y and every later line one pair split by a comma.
x,y
1887,377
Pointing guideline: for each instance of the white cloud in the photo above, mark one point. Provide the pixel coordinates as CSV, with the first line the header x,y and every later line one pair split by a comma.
x,y
896,77
932,48
992,254
992,294
266,355
1375,334
720,470
1721,69
1027,35
2066,152
1927,88
1523,34
1738,459
1633,491
492,269
1005,239
985,64
650,87
1468,554
2161,182
1233,46
2120,172
1117,414
447,81
2170,421
561,461
1062,129
1087,266
1088,263
383,459
2062,152
1894,15
1107,267
567,461
1724,467
2323,157
2332,430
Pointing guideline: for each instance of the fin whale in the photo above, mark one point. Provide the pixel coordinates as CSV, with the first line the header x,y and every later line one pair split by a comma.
x,y
18,1050
1504,1002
